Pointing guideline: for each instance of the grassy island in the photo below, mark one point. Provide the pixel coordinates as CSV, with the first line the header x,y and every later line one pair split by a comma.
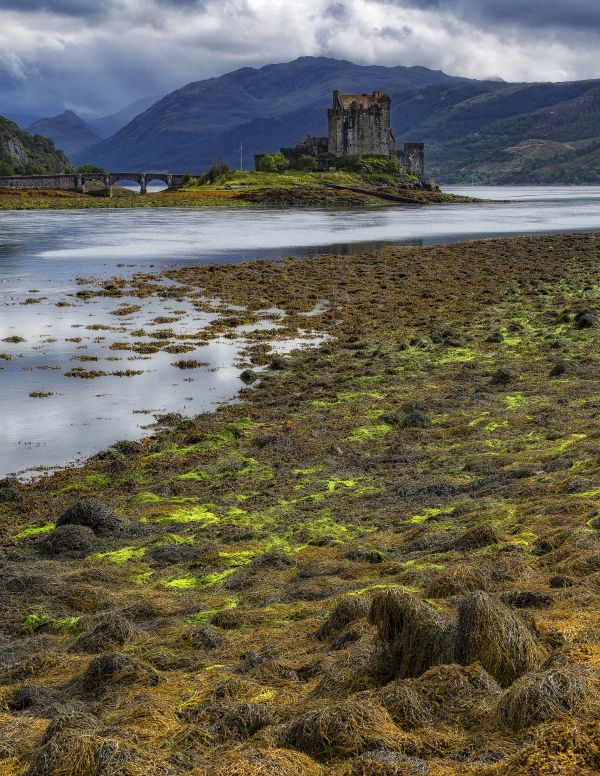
x,y
291,188
384,559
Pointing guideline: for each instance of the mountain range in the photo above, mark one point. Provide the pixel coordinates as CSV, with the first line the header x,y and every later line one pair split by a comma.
x,y
485,131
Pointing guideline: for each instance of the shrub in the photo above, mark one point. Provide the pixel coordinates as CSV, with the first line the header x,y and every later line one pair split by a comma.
x,y
273,163
307,163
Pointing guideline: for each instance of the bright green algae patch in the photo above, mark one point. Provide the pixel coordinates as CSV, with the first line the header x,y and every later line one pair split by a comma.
x,y
35,530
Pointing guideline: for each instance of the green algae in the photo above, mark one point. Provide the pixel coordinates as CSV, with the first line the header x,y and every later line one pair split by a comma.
x,y
427,514
142,577
415,565
325,529
594,493
183,583
124,555
198,618
91,480
364,434
457,356
200,514
207,580
35,530
389,586
195,475
515,400
34,621
147,498
237,559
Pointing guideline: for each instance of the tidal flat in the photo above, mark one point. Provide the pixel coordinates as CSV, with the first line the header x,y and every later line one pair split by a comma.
x,y
384,558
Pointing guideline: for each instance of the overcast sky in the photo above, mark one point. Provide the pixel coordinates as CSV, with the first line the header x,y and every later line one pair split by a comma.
x,y
96,56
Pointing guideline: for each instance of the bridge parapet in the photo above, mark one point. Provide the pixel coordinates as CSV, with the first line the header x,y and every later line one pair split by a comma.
x,y
77,181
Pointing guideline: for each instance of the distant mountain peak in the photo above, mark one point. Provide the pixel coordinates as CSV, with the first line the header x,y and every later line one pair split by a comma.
x,y
68,130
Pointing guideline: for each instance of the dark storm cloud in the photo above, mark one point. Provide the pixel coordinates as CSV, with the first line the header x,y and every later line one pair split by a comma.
x,y
60,7
530,14
96,56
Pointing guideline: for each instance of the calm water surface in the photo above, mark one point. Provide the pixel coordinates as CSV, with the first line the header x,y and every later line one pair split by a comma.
x,y
42,254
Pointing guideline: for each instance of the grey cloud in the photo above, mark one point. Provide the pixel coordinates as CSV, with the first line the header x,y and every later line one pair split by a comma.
x,y
337,11
394,33
59,7
531,14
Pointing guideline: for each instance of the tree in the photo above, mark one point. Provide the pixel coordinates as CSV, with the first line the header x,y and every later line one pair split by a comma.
x,y
307,163
215,172
89,168
273,163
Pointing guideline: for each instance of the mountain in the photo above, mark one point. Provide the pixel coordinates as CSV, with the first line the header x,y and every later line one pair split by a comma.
x,y
68,130
108,125
25,154
264,108
490,131
523,133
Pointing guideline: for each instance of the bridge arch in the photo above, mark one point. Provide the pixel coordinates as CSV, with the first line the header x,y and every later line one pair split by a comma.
x,y
152,179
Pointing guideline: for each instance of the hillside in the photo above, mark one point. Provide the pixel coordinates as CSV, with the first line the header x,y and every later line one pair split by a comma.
x,y
25,154
275,105
107,125
532,133
70,132
486,131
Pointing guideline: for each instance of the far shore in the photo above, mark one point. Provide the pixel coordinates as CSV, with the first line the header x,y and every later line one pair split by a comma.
x,y
246,190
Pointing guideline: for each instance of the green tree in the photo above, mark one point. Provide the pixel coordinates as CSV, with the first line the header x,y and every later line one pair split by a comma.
x,y
273,163
89,168
307,163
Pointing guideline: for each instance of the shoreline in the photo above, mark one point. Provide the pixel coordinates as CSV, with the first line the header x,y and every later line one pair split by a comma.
x,y
438,450
283,198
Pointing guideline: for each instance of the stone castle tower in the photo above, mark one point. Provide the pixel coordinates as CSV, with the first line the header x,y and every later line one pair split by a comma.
x,y
360,124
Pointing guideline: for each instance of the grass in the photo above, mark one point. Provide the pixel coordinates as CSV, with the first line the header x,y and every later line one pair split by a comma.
x,y
238,190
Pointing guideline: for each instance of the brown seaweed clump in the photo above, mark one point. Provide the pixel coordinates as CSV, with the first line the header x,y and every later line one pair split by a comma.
x,y
343,729
69,749
491,634
268,762
542,696
414,636
109,669
112,632
453,694
92,513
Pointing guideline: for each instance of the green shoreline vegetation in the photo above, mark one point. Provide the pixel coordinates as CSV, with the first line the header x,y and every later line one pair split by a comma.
x,y
234,189
383,559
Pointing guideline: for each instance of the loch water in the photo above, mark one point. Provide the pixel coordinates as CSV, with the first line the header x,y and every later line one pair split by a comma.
x,y
42,253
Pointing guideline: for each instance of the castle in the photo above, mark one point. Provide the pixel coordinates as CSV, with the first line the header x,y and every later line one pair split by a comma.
x,y
359,125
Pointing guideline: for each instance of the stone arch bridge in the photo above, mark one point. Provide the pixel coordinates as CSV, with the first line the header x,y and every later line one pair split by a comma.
x,y
77,181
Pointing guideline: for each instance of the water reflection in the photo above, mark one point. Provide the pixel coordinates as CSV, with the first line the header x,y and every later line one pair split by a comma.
x,y
43,252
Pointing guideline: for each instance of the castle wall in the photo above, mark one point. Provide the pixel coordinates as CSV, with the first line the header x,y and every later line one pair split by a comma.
x,y
412,158
360,125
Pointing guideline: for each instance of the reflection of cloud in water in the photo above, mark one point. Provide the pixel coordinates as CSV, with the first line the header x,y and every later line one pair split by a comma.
x,y
47,250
